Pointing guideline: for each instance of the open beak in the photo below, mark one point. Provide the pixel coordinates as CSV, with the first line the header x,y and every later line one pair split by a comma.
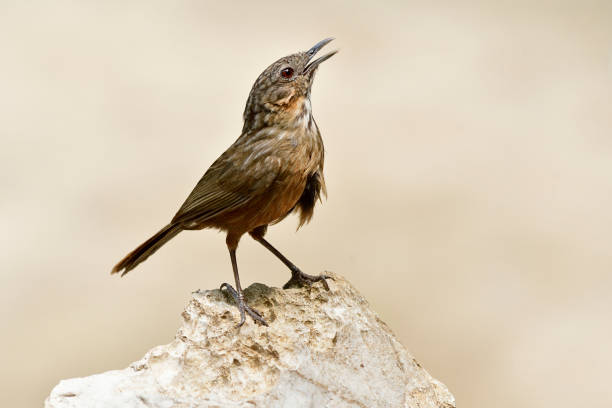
x,y
312,65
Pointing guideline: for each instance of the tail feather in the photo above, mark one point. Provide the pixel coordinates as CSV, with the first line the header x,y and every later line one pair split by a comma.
x,y
146,249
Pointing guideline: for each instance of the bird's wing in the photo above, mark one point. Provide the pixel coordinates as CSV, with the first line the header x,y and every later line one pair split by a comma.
x,y
243,172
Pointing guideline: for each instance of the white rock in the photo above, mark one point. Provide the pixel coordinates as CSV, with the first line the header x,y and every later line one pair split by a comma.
x,y
322,349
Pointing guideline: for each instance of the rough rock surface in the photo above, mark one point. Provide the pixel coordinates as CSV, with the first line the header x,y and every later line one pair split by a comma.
x,y
322,349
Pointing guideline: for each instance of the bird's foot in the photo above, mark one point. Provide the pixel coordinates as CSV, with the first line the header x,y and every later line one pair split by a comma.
x,y
299,278
243,307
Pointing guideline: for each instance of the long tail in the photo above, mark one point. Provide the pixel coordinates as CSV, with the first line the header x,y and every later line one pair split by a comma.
x,y
147,249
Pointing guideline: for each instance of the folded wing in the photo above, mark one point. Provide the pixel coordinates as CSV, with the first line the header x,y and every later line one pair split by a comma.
x,y
246,170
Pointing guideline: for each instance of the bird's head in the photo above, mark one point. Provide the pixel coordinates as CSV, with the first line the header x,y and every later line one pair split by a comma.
x,y
282,92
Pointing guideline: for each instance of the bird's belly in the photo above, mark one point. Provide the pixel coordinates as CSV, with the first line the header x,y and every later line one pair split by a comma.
x,y
267,208
276,205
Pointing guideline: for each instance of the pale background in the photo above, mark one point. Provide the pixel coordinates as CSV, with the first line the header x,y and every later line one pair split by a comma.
x,y
469,168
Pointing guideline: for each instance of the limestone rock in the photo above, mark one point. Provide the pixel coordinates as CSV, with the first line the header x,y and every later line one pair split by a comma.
x,y
322,349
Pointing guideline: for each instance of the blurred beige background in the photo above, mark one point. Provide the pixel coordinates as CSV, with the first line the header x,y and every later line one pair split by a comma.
x,y
469,168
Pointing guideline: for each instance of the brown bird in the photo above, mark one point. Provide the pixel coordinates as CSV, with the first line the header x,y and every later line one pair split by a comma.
x,y
274,168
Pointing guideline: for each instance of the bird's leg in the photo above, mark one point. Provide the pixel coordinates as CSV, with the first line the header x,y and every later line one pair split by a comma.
x,y
238,295
297,276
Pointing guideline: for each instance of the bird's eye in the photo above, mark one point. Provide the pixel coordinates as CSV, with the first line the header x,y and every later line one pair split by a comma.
x,y
287,72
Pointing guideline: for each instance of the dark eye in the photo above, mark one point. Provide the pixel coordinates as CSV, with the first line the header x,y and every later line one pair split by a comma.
x,y
287,72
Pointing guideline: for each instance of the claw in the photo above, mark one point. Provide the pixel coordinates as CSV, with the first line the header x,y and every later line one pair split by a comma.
x,y
300,278
243,307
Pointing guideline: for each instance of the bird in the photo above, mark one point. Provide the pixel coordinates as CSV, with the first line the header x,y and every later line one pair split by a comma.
x,y
273,169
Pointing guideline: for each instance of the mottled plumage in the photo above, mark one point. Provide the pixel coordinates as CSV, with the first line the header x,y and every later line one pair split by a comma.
x,y
273,168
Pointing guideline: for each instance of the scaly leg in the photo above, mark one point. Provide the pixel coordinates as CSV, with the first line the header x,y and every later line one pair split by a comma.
x,y
237,293
297,276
